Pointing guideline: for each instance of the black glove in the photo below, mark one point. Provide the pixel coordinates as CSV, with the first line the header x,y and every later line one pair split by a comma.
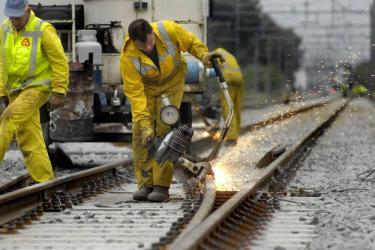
x,y
5,100
206,59
56,101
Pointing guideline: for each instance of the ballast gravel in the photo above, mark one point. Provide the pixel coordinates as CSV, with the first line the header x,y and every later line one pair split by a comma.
x,y
341,167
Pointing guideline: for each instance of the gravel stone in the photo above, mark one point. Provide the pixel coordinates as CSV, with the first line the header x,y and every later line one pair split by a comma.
x,y
345,219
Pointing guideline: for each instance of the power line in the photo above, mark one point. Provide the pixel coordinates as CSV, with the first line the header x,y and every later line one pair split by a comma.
x,y
249,13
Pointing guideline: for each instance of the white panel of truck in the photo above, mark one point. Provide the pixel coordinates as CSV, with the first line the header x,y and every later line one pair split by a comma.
x,y
191,14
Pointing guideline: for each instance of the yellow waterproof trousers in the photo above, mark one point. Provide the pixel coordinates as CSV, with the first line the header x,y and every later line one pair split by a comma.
x,y
21,118
236,94
147,171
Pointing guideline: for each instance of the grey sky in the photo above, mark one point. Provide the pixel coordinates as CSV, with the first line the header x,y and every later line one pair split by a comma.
x,y
349,38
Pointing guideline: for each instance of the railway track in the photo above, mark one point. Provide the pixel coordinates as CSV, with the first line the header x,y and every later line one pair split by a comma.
x,y
201,140
240,221
92,209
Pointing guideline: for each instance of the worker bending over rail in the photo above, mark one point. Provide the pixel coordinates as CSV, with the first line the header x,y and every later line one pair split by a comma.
x,y
152,65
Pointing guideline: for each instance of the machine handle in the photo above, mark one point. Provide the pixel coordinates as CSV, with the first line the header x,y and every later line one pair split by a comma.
x,y
216,66
224,87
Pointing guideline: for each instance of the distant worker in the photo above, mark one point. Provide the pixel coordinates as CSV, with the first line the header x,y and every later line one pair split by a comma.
x,y
152,65
33,65
233,76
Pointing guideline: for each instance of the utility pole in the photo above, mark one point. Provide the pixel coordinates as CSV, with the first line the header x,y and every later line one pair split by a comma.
x,y
269,69
372,45
255,63
237,23
306,10
333,33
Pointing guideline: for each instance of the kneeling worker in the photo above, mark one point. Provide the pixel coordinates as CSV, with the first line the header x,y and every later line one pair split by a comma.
x,y
152,65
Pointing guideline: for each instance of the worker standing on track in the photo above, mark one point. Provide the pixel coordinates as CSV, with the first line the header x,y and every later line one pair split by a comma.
x,y
32,65
233,76
152,65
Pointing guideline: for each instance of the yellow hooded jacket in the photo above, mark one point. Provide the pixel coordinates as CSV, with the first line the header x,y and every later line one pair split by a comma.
x,y
139,72
231,69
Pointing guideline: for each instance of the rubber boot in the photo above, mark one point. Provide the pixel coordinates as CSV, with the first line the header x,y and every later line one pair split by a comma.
x,y
141,194
159,194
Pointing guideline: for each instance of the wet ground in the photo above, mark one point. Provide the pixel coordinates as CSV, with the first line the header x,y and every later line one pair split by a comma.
x,y
341,167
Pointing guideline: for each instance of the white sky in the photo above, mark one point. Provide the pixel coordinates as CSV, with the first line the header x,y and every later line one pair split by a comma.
x,y
347,40
329,34
351,31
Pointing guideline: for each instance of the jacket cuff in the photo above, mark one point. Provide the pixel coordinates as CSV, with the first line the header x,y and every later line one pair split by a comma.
x,y
59,90
203,55
3,92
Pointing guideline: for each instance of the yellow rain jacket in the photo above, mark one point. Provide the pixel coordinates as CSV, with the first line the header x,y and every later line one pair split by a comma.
x,y
144,84
32,57
233,76
32,65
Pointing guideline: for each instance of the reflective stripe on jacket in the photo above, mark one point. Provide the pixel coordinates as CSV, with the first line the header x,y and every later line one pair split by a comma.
x,y
139,72
231,70
24,62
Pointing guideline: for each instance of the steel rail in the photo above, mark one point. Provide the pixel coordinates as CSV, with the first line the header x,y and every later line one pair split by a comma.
x,y
15,204
195,237
15,182
283,116
205,207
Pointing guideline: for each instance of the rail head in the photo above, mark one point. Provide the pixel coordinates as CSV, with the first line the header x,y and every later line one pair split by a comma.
x,y
14,204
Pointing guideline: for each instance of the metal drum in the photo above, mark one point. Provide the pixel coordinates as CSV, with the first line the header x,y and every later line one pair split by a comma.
x,y
74,121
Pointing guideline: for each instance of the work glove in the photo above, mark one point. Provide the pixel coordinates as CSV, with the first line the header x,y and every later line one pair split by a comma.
x,y
56,101
147,136
206,58
5,100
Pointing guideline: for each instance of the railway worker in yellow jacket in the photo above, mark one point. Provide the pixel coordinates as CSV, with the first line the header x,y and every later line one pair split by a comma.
x,y
152,65
233,76
32,66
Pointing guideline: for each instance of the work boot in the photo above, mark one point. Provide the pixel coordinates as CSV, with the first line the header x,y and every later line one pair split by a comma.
x,y
141,194
159,194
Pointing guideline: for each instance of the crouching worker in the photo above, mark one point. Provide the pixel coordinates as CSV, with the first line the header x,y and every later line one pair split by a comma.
x,y
33,70
152,65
